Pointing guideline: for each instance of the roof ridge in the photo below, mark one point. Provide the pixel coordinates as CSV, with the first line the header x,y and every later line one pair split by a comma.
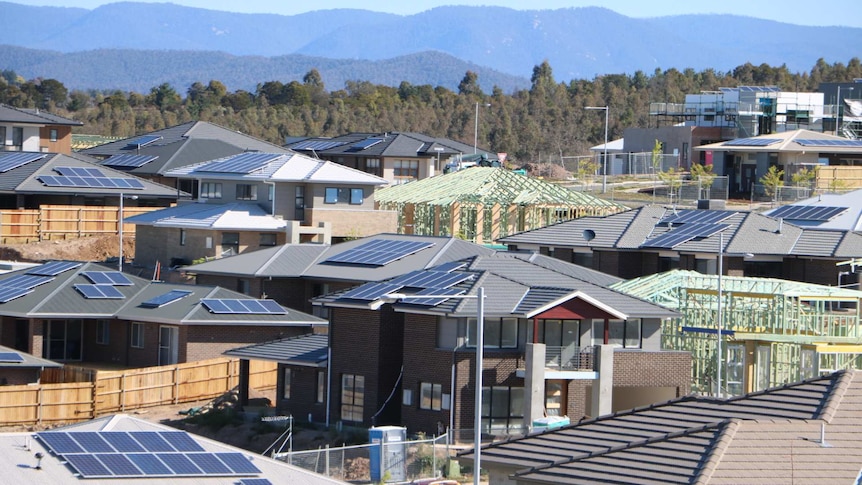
x,y
720,446
834,398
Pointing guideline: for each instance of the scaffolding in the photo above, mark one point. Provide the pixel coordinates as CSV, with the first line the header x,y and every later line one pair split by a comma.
x,y
774,331
483,204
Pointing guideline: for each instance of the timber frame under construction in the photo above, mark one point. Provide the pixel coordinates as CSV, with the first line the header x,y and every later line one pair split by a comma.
x,y
482,204
774,331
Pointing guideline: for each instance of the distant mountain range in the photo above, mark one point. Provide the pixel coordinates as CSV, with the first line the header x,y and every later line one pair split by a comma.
x,y
139,45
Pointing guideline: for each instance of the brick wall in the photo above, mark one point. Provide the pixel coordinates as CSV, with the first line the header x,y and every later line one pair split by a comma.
x,y
16,377
303,394
211,341
424,362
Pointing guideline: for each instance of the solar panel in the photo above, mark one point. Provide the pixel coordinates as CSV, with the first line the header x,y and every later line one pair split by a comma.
x,y
149,464
165,298
122,441
365,144
53,268
119,464
379,252
88,466
128,160
238,462
254,481
8,294
181,441
242,163
142,141
79,172
179,464
107,278
60,443
92,442
370,291
829,143
683,234
11,357
431,301
152,441
25,281
800,213
99,292
752,142
697,216
209,463
10,161
90,182
316,145
448,267
242,306
430,279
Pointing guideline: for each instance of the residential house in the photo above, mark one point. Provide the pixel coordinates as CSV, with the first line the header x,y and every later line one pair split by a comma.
x,y
18,367
410,358
34,130
122,449
837,160
804,432
654,239
29,180
397,157
482,204
254,200
833,211
70,311
151,155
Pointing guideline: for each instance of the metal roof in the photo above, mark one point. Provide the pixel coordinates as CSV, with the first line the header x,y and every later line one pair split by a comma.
x,y
234,216
307,350
28,361
9,114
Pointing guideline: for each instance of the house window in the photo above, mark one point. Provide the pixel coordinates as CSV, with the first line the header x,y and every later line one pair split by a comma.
x,y
64,340
621,333
267,239
735,370
762,377
502,408
246,192
500,333
52,134
182,237
352,397
243,286
299,203
406,170
102,332
210,190
430,396
321,386
808,364
336,195
560,333
137,335
17,137
286,393
356,196
372,166
229,243
583,259
2,136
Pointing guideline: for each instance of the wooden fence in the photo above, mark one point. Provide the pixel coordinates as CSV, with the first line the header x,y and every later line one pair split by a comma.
x,y
120,391
51,222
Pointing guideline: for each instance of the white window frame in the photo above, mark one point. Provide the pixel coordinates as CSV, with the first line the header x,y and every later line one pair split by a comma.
x,y
136,335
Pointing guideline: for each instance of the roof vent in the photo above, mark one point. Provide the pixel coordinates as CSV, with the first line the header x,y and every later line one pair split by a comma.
x,y
780,225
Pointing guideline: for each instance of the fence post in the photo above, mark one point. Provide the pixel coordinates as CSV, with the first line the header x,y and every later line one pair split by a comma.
x,y
39,405
176,384
123,392
326,461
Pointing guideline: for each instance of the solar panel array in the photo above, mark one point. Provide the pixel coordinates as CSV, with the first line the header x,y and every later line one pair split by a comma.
x,y
9,161
142,141
79,172
8,357
91,182
243,306
430,279
242,163
107,278
53,268
99,292
807,212
435,281
751,142
829,143
370,291
696,216
116,454
432,301
20,285
128,160
316,145
684,233
366,144
378,252
255,481
165,298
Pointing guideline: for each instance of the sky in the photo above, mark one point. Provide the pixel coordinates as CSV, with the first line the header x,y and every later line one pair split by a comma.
x,y
800,12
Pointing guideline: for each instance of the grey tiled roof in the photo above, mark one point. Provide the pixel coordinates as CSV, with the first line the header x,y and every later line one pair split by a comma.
x,y
310,350
393,144
689,439
28,116
29,361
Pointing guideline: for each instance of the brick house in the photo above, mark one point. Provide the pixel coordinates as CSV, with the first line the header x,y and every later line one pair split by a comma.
x,y
412,361
18,367
254,200
34,130
73,312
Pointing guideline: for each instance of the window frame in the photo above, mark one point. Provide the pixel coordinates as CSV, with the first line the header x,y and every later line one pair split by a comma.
x,y
491,413
430,396
352,398
267,243
246,192
287,376
53,134
495,333
210,190
136,335
623,339
321,387
103,332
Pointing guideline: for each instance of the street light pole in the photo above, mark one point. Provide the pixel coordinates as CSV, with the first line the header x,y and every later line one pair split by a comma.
x,y
719,315
120,233
480,351
605,150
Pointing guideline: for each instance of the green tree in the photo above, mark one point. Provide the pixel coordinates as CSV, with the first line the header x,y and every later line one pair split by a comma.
x,y
772,180
704,176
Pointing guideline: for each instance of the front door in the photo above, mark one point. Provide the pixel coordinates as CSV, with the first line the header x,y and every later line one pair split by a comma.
x,y
64,340
748,177
168,345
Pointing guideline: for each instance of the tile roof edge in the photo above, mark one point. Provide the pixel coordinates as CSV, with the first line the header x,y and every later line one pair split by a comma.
x,y
713,460
833,401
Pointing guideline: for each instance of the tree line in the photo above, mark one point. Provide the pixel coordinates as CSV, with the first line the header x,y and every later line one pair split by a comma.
x,y
539,124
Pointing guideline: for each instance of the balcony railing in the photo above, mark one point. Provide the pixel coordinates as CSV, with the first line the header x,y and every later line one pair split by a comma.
x,y
570,358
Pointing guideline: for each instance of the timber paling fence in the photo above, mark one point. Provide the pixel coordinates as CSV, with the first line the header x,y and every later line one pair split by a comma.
x,y
53,222
93,393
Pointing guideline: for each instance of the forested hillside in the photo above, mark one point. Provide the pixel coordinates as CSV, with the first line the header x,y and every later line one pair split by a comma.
x,y
538,124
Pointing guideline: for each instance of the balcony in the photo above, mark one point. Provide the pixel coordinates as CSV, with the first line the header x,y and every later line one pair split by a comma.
x,y
570,358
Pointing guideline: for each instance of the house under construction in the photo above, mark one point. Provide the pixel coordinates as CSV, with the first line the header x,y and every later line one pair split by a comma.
x,y
481,204
774,331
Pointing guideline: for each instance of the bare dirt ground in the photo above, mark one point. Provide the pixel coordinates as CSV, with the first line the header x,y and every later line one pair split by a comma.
x,y
95,248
